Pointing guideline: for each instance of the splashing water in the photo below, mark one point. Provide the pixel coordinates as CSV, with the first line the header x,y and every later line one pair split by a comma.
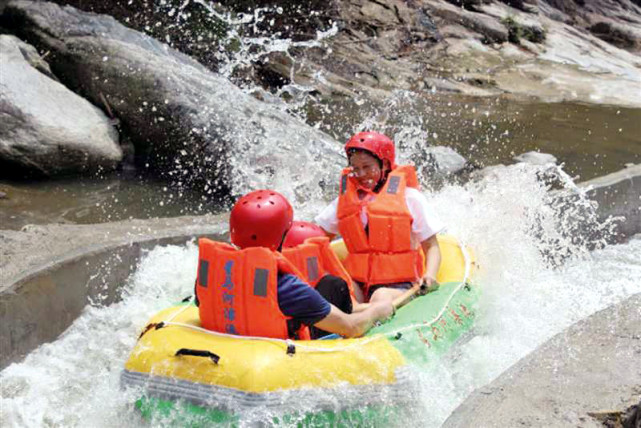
x,y
533,287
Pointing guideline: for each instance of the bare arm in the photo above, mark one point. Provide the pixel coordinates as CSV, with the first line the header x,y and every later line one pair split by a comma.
x,y
354,324
433,258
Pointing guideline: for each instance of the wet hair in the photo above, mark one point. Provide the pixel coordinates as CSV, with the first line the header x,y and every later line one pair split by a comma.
x,y
350,152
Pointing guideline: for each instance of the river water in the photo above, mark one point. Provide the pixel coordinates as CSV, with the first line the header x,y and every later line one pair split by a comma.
x,y
589,140
537,270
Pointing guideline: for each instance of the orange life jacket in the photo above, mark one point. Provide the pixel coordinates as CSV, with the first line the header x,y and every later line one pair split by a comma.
x,y
315,259
238,290
383,254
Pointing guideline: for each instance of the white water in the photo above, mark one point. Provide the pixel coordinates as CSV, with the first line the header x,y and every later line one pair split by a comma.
x,y
75,380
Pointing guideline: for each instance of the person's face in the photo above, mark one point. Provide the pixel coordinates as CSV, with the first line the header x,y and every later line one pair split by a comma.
x,y
366,169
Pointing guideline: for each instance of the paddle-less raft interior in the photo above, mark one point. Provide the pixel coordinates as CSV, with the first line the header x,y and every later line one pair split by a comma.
x,y
181,367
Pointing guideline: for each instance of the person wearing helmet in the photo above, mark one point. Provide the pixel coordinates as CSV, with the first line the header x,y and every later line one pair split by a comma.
x,y
249,288
384,220
307,247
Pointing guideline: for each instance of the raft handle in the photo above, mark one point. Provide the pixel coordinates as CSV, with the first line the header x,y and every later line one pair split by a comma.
x,y
198,353
291,349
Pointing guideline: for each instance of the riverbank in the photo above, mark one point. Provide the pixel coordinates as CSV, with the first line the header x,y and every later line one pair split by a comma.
x,y
581,377
60,269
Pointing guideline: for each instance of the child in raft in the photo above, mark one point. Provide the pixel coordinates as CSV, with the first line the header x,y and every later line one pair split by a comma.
x,y
384,220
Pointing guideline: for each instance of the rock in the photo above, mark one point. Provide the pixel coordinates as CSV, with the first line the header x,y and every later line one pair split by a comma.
x,y
196,28
32,56
615,35
489,27
441,161
46,129
189,123
369,55
618,23
446,159
589,366
536,158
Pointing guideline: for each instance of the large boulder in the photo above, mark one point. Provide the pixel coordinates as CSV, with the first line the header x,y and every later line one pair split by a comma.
x,y
188,122
47,130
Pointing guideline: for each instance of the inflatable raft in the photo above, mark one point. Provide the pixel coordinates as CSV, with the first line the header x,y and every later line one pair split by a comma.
x,y
183,368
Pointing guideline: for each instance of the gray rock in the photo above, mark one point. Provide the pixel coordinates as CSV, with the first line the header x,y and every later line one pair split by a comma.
x,y
191,124
536,158
489,27
46,129
445,160
31,55
590,367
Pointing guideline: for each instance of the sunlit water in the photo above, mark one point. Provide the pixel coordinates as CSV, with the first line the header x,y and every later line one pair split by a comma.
x,y
509,219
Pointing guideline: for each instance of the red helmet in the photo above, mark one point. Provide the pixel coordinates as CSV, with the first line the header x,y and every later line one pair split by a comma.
x,y
377,144
260,219
300,231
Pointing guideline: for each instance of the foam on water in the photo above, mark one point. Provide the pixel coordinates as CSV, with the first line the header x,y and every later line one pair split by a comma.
x,y
508,218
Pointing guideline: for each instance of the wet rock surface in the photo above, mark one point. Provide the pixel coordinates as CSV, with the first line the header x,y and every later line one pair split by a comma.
x,y
589,369
183,119
373,47
618,195
439,163
477,48
47,130
37,246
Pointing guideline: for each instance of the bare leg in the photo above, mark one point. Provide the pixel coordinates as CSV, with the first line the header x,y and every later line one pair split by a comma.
x,y
383,294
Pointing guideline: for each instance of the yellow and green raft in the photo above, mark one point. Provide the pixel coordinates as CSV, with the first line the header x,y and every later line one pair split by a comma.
x,y
232,375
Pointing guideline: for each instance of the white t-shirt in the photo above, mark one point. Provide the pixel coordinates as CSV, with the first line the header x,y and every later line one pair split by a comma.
x,y
424,225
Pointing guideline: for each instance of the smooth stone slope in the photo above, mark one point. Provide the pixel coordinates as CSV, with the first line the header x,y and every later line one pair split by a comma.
x,y
47,130
589,368
48,274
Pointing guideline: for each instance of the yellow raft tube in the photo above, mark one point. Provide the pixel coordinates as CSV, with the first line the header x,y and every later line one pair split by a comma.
x,y
234,372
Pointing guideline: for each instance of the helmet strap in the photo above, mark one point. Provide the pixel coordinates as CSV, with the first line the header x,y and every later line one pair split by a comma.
x,y
282,241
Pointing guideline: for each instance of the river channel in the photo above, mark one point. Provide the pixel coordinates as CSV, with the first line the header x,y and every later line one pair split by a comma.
x,y
508,219
589,140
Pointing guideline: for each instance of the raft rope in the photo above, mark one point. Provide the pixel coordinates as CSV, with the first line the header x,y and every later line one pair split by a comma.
x,y
357,343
